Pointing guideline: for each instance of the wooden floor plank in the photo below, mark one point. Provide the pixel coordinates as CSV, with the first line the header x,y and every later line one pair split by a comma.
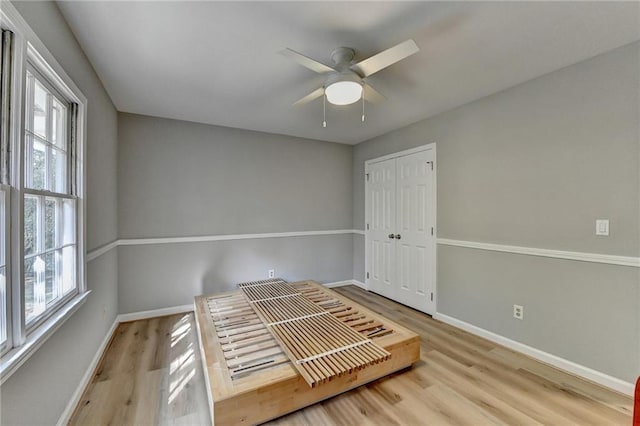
x,y
568,381
151,374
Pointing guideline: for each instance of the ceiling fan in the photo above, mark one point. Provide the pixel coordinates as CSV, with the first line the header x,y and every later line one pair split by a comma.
x,y
345,82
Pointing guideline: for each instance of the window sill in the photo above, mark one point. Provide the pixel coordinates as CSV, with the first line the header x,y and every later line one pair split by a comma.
x,y
13,359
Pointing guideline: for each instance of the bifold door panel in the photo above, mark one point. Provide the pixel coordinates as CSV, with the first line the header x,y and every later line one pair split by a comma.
x,y
382,225
400,229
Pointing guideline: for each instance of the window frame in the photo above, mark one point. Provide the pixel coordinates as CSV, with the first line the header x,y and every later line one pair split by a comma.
x,y
44,193
30,68
4,225
27,47
50,310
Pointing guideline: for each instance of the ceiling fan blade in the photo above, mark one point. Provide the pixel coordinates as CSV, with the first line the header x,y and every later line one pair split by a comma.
x,y
385,58
307,62
311,96
372,95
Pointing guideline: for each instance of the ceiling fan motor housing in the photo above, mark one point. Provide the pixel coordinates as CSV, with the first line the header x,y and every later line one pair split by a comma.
x,y
342,57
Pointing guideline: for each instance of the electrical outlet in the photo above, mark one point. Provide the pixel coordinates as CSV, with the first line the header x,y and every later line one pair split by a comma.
x,y
518,312
272,273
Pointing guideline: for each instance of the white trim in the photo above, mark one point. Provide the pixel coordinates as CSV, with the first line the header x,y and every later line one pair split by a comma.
x,y
135,316
5,228
88,375
360,284
557,254
338,284
207,238
402,153
93,254
553,360
13,359
345,283
531,251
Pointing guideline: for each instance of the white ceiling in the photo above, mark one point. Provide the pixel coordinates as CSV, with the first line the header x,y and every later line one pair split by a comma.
x,y
218,62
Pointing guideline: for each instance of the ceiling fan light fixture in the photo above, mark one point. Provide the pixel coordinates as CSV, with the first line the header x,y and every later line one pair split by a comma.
x,y
343,92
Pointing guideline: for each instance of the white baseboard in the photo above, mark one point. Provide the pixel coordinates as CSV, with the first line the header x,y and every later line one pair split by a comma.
x,y
86,378
346,282
553,360
359,284
338,284
134,316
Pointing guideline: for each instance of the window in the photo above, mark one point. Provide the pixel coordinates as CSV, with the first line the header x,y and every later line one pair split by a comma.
x,y
5,193
49,207
4,312
41,194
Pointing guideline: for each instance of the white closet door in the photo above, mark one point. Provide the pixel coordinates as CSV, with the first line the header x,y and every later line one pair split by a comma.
x,y
382,223
414,240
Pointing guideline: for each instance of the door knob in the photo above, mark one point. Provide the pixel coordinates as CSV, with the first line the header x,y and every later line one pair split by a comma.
x,y
398,236
391,236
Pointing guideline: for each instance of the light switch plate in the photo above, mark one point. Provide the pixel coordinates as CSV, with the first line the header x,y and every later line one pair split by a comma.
x,y
602,227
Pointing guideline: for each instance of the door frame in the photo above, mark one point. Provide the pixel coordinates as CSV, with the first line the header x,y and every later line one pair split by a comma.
x,y
428,147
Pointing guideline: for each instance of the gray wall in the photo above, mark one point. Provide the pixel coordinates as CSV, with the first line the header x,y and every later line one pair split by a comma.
x,y
196,179
536,165
584,312
162,275
181,179
40,390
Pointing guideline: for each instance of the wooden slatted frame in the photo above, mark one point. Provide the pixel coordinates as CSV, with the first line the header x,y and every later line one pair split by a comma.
x,y
245,341
320,346
272,391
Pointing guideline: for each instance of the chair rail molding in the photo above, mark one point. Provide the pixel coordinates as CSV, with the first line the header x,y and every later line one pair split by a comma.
x,y
556,254
94,254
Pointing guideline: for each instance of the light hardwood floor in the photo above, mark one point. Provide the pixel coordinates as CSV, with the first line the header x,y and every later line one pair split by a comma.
x,y
151,374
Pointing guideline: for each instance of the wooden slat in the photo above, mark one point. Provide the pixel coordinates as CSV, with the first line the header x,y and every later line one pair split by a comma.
x,y
258,366
320,345
246,344
253,357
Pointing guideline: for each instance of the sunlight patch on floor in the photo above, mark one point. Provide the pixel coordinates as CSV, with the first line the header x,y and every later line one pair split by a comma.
x,y
182,368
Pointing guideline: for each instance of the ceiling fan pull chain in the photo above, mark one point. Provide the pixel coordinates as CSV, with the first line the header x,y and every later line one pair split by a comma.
x,y
324,110
363,107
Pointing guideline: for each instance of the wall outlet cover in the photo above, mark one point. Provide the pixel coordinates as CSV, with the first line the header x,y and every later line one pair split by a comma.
x,y
518,312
